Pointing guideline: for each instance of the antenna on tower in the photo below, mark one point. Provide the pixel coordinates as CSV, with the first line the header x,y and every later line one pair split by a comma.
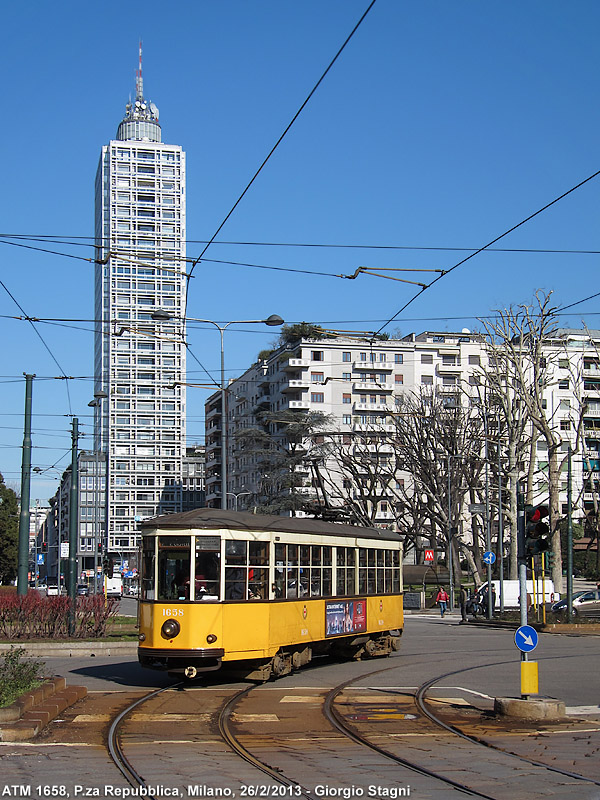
x,y
139,81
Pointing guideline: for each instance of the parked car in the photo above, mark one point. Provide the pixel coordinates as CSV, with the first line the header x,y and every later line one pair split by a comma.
x,y
561,605
83,589
586,604
52,590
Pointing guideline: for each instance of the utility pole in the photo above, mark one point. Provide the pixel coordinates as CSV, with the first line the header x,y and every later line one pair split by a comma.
x,y
73,520
570,536
23,562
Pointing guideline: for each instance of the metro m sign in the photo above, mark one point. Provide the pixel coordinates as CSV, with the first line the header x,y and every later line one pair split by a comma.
x,y
428,555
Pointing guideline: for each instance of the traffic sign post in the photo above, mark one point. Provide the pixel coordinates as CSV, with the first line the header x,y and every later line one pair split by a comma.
x,y
526,639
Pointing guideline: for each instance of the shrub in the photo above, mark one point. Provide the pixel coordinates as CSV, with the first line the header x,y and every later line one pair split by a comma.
x,y
33,616
18,675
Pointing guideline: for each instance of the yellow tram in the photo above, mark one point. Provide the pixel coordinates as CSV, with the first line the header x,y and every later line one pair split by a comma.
x,y
265,593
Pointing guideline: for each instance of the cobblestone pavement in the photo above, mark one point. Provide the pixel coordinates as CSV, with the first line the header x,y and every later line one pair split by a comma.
x,y
175,746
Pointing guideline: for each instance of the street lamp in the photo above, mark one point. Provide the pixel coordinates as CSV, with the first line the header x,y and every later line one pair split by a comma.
x,y
236,496
273,321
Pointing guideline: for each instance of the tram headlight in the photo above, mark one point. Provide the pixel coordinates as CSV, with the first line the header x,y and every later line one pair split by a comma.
x,y
211,638
170,629
142,637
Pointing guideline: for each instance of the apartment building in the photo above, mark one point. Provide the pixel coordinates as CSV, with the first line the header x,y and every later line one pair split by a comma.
x,y
359,383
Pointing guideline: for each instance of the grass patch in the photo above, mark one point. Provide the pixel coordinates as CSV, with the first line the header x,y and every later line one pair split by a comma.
x,y
18,674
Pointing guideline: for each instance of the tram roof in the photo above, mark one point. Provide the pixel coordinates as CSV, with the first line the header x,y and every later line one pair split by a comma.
x,y
217,518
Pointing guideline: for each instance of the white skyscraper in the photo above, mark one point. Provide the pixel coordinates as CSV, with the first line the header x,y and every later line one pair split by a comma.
x,y
139,392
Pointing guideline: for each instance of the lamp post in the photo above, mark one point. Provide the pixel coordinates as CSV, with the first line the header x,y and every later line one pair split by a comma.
x,y
273,321
236,496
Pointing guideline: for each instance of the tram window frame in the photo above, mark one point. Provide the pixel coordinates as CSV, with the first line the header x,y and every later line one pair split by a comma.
x,y
247,569
148,564
178,588
207,556
302,571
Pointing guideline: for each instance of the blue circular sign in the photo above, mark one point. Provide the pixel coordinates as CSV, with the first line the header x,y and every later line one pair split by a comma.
x,y
526,638
489,557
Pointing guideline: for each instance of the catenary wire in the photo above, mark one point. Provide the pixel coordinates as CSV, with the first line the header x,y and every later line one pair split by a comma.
x,y
277,143
493,241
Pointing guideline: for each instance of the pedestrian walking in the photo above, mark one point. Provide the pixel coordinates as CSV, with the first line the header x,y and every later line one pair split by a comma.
x,y
442,600
463,599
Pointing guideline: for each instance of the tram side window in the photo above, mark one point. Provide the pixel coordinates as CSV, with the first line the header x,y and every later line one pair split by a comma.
x,y
302,571
378,571
173,568
258,570
148,564
345,571
208,571
236,559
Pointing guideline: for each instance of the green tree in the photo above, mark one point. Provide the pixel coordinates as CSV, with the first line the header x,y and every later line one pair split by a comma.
x,y
9,533
280,445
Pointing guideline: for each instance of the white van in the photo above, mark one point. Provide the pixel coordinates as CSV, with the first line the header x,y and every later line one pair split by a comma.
x,y
544,592
114,586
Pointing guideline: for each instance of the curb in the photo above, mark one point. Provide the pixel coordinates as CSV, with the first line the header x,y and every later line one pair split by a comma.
x,y
71,649
26,717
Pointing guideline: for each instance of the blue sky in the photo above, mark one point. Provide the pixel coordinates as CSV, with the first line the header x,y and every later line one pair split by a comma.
x,y
441,125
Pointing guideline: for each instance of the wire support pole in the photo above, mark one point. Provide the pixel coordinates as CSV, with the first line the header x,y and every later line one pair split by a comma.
x,y
23,562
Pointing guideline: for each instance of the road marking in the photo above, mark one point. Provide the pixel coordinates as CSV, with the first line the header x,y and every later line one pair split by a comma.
x,y
255,717
145,717
582,710
296,698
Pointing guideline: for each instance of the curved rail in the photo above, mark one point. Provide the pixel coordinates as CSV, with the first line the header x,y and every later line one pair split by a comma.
x,y
114,743
338,722
229,737
421,705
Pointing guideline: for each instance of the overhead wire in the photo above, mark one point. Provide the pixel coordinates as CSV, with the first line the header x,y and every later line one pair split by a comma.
x,y
493,241
278,142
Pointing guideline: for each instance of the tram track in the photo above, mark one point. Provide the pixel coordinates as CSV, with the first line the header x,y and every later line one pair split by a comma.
x,y
226,722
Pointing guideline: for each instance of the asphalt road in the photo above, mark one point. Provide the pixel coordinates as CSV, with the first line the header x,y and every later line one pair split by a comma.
x,y
430,646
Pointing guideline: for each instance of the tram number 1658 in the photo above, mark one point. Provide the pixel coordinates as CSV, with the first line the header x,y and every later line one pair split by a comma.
x,y
172,612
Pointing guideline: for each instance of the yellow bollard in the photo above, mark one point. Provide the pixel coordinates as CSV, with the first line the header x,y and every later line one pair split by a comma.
x,y
529,677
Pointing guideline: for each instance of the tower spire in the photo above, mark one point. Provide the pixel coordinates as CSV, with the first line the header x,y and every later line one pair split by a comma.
x,y
139,81
141,117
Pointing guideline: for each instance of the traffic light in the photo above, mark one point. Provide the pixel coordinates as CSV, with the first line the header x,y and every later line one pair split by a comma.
x,y
537,538
107,566
549,559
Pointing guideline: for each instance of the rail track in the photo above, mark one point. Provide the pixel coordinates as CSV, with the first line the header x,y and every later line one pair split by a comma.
x,y
350,729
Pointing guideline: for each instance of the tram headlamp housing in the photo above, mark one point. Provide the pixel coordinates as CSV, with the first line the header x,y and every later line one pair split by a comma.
x,y
142,637
211,638
170,629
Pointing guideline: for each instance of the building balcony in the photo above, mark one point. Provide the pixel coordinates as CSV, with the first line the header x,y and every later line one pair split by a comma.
x,y
373,407
448,369
373,387
300,405
213,412
293,364
295,385
374,366
262,399
372,428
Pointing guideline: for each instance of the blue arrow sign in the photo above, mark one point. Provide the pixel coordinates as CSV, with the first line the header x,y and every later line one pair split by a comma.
x,y
489,557
526,638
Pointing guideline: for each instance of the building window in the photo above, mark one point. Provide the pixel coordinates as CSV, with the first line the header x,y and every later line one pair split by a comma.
x,y
398,379
347,419
346,398
317,377
563,384
474,360
398,358
427,380
316,355
346,356
426,358
449,361
317,397
565,425
346,376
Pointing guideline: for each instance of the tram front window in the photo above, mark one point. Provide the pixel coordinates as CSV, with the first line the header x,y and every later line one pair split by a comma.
x,y
173,568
